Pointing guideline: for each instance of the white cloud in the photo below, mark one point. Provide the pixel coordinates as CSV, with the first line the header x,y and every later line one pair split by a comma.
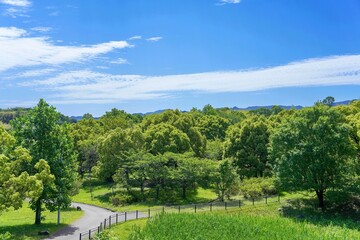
x,y
154,39
17,8
16,3
92,87
17,49
11,33
35,73
135,37
119,61
54,13
230,1
41,29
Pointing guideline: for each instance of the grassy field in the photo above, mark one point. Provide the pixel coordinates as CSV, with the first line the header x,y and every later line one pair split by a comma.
x,y
248,222
20,223
214,226
99,194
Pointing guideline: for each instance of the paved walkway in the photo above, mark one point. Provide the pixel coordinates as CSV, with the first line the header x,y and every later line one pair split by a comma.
x,y
91,219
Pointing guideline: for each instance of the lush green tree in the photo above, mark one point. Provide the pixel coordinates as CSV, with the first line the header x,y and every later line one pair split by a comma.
x,y
164,137
209,110
329,101
115,119
225,179
247,144
313,151
16,184
39,132
186,171
115,151
213,127
86,134
214,150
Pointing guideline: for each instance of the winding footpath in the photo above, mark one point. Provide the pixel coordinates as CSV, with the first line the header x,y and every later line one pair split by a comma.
x,y
91,219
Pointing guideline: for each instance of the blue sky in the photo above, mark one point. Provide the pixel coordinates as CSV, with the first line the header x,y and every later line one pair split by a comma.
x,y
140,55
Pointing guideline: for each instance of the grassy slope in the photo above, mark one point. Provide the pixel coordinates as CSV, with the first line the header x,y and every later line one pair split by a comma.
x,y
101,197
20,223
249,222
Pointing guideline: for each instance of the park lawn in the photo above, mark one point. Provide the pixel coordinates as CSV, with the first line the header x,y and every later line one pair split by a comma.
x,y
99,195
20,223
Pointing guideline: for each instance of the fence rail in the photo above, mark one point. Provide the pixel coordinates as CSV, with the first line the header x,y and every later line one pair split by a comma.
x,y
189,208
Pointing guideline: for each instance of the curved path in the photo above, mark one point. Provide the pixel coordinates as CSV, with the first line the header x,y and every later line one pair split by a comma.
x,y
91,219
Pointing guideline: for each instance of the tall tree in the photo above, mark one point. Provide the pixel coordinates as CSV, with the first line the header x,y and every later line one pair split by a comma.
x,y
313,151
16,184
40,133
247,144
116,149
164,137
225,179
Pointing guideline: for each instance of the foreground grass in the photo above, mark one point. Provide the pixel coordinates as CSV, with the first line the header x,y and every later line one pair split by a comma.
x,y
231,227
248,222
20,223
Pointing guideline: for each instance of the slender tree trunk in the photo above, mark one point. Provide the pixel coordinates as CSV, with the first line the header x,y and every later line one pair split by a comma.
x,y
320,196
184,191
38,212
157,192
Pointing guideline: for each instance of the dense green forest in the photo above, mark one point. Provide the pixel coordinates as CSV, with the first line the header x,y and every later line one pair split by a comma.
x,y
44,156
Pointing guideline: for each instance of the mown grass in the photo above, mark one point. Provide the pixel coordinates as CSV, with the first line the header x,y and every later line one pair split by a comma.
x,y
20,223
97,193
240,226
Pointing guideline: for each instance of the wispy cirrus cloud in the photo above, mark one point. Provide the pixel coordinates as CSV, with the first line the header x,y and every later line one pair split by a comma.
x,y
41,29
120,61
19,49
137,37
16,8
154,39
221,2
93,87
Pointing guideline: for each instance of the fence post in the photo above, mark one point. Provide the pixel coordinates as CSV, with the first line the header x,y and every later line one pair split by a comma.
x,y
117,217
149,212
105,223
80,236
225,205
101,226
89,234
266,199
211,207
137,214
125,216
98,229
239,203
253,201
163,210
110,221
179,208
195,208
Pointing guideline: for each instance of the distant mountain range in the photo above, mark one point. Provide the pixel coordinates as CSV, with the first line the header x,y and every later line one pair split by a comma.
x,y
77,118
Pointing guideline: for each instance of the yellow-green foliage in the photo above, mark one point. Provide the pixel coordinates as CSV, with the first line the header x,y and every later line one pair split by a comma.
x,y
257,187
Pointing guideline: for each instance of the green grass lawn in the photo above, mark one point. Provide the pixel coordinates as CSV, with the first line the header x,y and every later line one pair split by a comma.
x,y
99,194
20,223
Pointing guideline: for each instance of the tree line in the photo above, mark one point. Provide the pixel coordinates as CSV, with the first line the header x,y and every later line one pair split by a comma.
x,y
168,155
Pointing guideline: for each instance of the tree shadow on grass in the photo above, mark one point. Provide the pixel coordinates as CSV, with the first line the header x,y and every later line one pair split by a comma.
x,y
305,210
25,231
